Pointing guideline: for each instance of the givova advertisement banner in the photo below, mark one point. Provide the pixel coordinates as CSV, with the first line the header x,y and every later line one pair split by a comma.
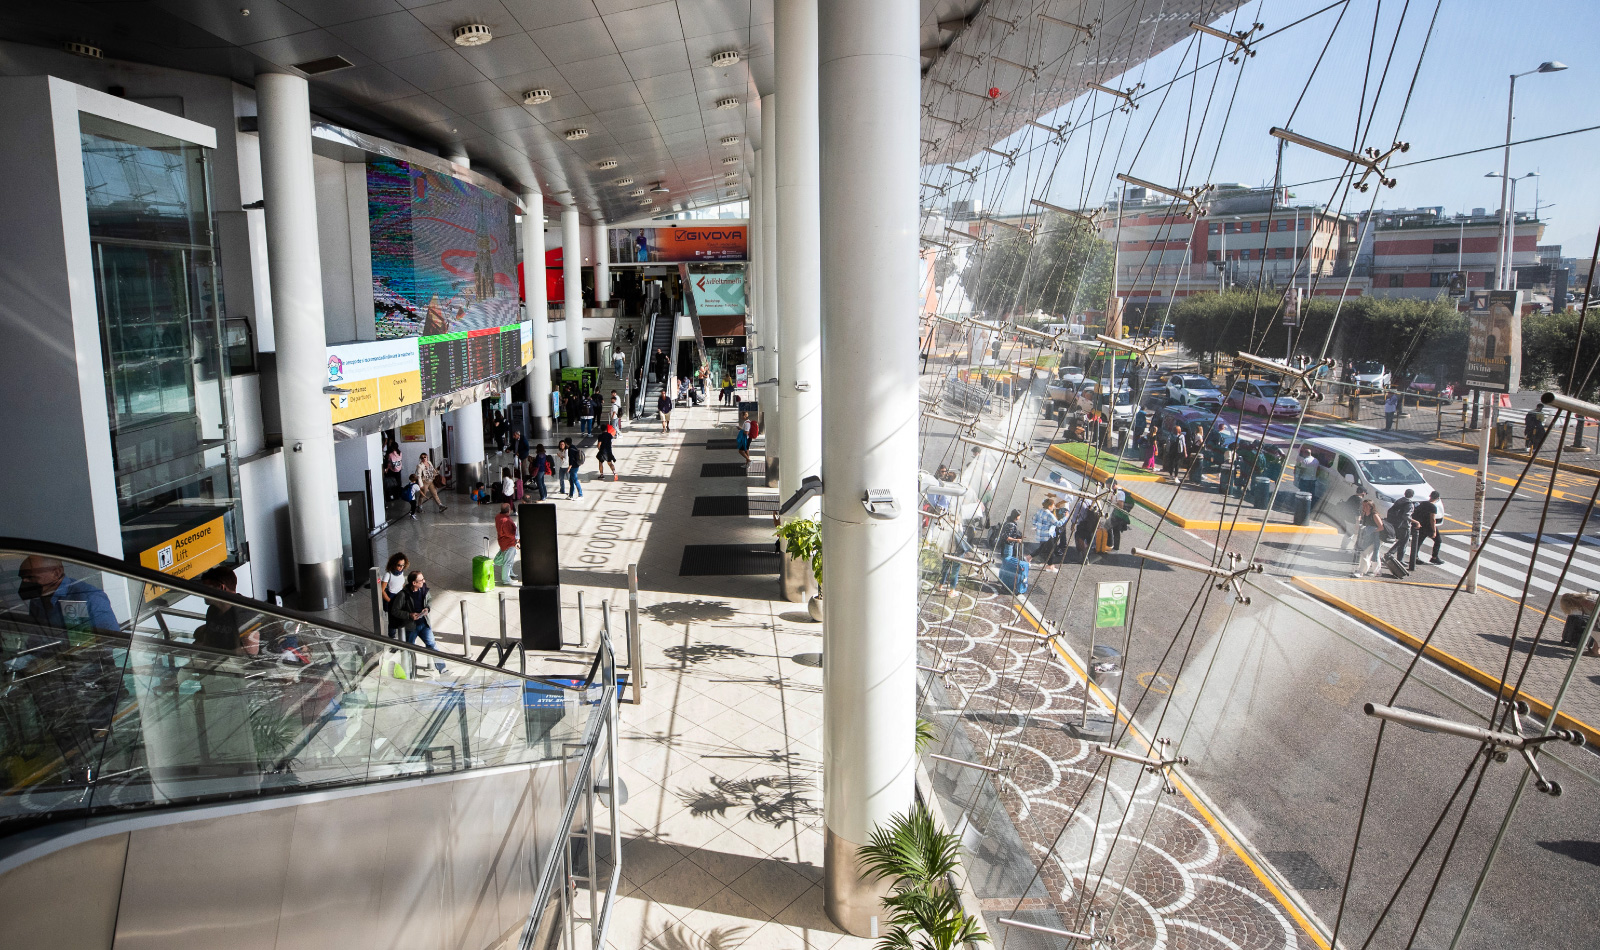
x,y
1494,340
678,245
717,295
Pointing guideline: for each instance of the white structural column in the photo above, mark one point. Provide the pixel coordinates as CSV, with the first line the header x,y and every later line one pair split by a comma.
x,y
768,240
466,445
869,102
571,336
535,298
602,263
295,275
761,336
799,239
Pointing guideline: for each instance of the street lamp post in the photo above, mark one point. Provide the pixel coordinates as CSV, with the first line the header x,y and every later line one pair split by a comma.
x,y
1505,271
1507,183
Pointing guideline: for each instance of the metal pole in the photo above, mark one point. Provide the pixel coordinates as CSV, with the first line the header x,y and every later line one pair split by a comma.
x,y
637,639
1522,784
378,626
466,634
588,827
1479,492
582,637
1502,258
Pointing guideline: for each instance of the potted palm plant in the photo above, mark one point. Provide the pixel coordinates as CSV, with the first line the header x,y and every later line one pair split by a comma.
x,y
802,545
925,913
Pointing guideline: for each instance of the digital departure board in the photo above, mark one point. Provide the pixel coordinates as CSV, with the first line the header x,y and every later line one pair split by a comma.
x,y
452,361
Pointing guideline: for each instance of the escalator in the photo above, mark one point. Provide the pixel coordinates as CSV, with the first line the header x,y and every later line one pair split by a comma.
x,y
182,767
662,332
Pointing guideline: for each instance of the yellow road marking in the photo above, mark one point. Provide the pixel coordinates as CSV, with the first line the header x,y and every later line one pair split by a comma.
x,y
1183,787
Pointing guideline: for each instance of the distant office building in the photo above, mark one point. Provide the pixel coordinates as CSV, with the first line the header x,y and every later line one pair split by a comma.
x,y
1412,252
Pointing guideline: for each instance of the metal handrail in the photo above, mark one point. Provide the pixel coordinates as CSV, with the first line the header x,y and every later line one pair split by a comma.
x,y
25,546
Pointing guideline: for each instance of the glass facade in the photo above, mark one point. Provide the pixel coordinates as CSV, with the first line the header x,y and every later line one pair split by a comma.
x,y
158,289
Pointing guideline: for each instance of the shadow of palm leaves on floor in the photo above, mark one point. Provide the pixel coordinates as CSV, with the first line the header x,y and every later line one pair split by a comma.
x,y
704,652
679,937
690,611
775,800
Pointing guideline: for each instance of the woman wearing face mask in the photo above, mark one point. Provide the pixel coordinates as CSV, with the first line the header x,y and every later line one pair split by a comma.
x,y
411,608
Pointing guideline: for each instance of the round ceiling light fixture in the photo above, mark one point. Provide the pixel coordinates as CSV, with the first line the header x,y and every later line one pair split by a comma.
x,y
732,102
730,140
659,188
536,97
623,182
726,58
473,34
575,134
606,165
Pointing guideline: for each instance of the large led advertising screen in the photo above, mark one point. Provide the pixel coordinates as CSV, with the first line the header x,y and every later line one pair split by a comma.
x,y
444,270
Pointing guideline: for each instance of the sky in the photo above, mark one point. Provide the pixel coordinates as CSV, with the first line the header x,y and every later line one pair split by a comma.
x,y
1459,103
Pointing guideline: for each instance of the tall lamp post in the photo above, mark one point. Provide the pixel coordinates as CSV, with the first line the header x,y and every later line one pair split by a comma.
x,y
1506,272
1502,272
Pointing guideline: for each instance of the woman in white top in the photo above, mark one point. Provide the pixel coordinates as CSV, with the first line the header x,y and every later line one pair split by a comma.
x,y
425,485
616,410
394,581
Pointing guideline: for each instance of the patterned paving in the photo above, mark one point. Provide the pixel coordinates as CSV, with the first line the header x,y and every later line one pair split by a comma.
x,y
1150,866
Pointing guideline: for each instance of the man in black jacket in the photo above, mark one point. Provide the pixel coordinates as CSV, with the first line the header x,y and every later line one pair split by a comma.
x,y
1400,517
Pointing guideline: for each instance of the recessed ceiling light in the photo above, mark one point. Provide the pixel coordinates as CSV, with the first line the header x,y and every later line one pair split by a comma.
x,y
623,182
730,140
536,97
473,34
606,164
728,57
659,188
88,50
637,193
646,201
575,134
732,102
731,160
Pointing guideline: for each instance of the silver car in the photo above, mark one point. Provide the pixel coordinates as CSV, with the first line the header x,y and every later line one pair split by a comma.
x,y
1192,390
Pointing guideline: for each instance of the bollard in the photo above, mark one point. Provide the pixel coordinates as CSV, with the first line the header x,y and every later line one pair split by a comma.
x,y
633,620
582,637
378,626
466,636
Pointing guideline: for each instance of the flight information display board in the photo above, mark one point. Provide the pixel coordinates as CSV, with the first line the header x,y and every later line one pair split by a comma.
x,y
452,361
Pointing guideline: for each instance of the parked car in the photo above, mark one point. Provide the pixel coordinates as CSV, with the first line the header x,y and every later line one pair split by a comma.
x,y
1193,390
1385,474
1370,374
1262,398
1199,423
1072,375
1428,385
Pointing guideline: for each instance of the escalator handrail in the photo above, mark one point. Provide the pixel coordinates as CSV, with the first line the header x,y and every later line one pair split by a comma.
x,y
94,559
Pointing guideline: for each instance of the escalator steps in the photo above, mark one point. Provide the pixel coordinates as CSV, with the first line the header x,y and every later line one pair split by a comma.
x,y
701,560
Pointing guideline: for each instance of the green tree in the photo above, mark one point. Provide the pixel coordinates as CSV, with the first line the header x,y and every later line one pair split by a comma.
x,y
1548,342
1064,268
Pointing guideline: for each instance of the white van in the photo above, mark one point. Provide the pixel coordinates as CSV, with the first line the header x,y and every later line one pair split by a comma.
x,y
1348,463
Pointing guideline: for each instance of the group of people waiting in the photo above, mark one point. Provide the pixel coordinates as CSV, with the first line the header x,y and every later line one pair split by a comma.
x,y
425,481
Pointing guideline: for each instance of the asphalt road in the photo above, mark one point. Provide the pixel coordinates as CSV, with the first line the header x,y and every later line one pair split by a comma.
x,y
1265,699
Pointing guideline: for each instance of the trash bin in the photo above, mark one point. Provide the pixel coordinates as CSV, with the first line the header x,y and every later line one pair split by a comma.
x,y
1105,667
1302,507
1260,491
1505,435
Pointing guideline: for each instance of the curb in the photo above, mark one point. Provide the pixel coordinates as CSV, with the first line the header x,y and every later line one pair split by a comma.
x,y
1522,457
1133,474
1452,662
1230,836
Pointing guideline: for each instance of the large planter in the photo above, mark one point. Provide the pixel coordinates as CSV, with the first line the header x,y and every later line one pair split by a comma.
x,y
796,579
814,607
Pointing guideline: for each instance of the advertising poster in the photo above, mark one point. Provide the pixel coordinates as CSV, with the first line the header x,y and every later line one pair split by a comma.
x,y
444,252
1494,340
376,377
683,245
717,294
414,432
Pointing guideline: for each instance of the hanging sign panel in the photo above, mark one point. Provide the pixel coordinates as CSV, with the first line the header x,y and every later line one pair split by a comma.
x,y
680,245
717,294
1494,340
376,377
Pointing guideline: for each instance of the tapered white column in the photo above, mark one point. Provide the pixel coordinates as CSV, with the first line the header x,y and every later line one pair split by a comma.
x,y
602,263
295,276
869,103
761,342
768,240
799,236
536,297
571,336
466,445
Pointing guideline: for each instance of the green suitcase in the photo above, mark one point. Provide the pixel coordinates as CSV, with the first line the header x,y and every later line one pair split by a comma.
x,y
483,573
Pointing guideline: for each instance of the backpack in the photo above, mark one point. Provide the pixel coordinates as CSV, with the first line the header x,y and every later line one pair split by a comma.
x,y
755,429
582,457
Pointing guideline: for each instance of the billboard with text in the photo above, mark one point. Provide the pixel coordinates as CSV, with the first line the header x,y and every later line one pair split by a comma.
x,y
678,245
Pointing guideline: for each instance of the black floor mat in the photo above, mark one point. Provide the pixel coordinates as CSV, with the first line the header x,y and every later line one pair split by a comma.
x,y
722,443
731,505
701,560
723,470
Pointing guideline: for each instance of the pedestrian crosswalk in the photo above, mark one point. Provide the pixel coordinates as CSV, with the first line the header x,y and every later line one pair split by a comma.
x,y
1253,428
1505,561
